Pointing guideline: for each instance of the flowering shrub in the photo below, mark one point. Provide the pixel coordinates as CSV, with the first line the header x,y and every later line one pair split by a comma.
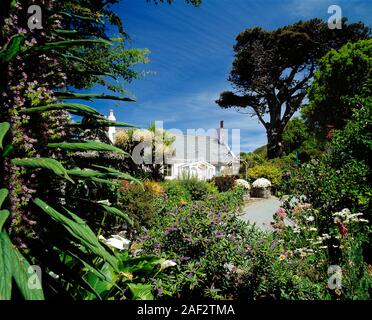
x,y
243,183
261,183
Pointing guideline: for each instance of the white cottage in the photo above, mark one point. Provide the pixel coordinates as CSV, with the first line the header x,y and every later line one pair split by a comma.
x,y
199,156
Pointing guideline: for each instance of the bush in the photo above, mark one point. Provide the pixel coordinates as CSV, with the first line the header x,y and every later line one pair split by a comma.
x,y
340,179
205,240
141,203
224,183
197,189
267,170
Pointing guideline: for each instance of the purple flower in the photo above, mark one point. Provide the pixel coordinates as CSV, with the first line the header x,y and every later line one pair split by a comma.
x,y
273,245
218,234
170,230
190,275
183,259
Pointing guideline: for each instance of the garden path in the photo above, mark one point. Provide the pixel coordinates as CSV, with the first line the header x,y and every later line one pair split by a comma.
x,y
260,212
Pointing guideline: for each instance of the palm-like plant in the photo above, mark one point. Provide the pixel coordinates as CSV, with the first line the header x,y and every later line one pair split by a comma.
x,y
42,216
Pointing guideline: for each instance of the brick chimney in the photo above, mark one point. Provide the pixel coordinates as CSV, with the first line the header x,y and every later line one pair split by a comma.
x,y
221,134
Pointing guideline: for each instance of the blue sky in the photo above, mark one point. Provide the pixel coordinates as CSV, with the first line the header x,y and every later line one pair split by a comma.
x,y
191,56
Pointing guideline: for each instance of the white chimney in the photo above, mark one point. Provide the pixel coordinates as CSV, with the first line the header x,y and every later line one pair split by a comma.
x,y
222,134
111,130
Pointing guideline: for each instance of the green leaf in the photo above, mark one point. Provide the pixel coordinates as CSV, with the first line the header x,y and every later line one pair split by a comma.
x,y
118,213
66,44
4,215
19,268
4,127
141,291
90,96
5,269
11,49
104,181
79,230
117,174
93,123
45,163
86,146
86,173
22,277
74,108
71,15
3,194
95,176
7,150
101,286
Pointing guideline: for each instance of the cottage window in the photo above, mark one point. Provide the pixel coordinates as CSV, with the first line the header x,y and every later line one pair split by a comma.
x,y
168,170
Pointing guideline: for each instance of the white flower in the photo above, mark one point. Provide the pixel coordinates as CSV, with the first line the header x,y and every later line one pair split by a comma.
x,y
116,242
166,264
143,135
229,266
261,183
53,275
105,202
326,236
243,183
313,229
363,220
310,218
336,220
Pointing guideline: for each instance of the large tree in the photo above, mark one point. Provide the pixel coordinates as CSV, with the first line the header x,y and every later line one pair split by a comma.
x,y
272,70
342,76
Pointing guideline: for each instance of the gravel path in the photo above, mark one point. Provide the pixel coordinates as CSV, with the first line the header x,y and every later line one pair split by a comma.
x,y
260,212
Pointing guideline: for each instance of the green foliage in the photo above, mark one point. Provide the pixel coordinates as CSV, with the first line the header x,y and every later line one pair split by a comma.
x,y
261,152
224,183
340,179
140,204
342,75
4,127
84,146
197,189
268,170
195,236
295,134
45,163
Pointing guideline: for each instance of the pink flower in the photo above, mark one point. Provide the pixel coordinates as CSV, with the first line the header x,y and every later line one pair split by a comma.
x,y
342,229
281,213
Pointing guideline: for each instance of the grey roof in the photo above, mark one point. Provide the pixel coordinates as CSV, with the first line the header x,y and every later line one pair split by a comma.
x,y
191,148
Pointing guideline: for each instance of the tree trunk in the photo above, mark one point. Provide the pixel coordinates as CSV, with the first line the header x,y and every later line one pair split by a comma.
x,y
274,143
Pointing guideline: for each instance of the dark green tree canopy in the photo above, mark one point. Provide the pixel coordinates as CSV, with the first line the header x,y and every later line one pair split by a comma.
x,y
272,70
342,75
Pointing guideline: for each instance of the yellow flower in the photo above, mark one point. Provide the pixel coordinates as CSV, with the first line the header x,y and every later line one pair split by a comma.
x,y
303,254
338,292
296,277
136,245
282,257
127,275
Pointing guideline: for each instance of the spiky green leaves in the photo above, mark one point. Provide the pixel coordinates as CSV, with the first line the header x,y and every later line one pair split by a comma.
x,y
45,163
4,128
